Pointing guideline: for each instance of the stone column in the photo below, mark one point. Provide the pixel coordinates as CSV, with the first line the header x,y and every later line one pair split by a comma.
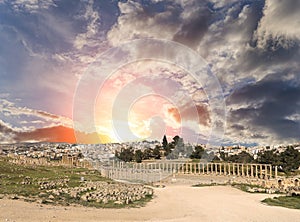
x,y
126,172
134,171
174,167
271,172
238,169
266,172
220,165
247,170
252,172
233,169
229,173
260,174
142,170
256,171
276,168
243,174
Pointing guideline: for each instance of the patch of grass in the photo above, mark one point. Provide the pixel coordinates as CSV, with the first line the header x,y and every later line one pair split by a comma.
x,y
245,187
292,202
12,177
205,185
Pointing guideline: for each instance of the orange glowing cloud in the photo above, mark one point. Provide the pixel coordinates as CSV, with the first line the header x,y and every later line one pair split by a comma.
x,y
199,113
174,113
60,134
51,134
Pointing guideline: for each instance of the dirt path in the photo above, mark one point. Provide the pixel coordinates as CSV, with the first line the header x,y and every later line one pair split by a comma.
x,y
173,203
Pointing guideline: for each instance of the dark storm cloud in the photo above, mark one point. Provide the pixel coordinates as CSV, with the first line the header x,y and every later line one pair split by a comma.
x,y
237,127
194,28
275,51
272,103
182,21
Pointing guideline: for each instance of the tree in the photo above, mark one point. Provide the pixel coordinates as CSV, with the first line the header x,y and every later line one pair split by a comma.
x,y
165,142
268,157
178,148
156,153
242,157
223,156
176,140
126,154
197,153
138,156
290,159
147,154
166,146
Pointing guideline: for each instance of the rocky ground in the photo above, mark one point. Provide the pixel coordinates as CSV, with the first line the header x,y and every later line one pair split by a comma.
x,y
58,185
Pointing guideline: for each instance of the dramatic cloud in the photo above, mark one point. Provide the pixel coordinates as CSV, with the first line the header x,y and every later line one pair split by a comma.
x,y
251,48
280,22
268,109
198,113
140,21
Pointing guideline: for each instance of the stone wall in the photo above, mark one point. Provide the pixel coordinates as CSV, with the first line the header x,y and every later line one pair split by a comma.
x,y
69,161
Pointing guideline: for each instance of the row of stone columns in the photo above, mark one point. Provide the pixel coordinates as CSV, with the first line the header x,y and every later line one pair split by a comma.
x,y
142,170
138,172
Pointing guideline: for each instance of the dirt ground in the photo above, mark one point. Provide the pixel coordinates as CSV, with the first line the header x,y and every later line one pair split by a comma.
x,y
172,203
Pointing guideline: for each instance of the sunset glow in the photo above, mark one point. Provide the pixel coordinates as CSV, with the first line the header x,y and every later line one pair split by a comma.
x,y
224,72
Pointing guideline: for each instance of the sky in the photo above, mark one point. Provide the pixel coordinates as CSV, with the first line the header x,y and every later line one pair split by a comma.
x,y
99,71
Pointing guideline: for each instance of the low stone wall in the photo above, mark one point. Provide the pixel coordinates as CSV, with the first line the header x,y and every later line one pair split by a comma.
x,y
69,161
